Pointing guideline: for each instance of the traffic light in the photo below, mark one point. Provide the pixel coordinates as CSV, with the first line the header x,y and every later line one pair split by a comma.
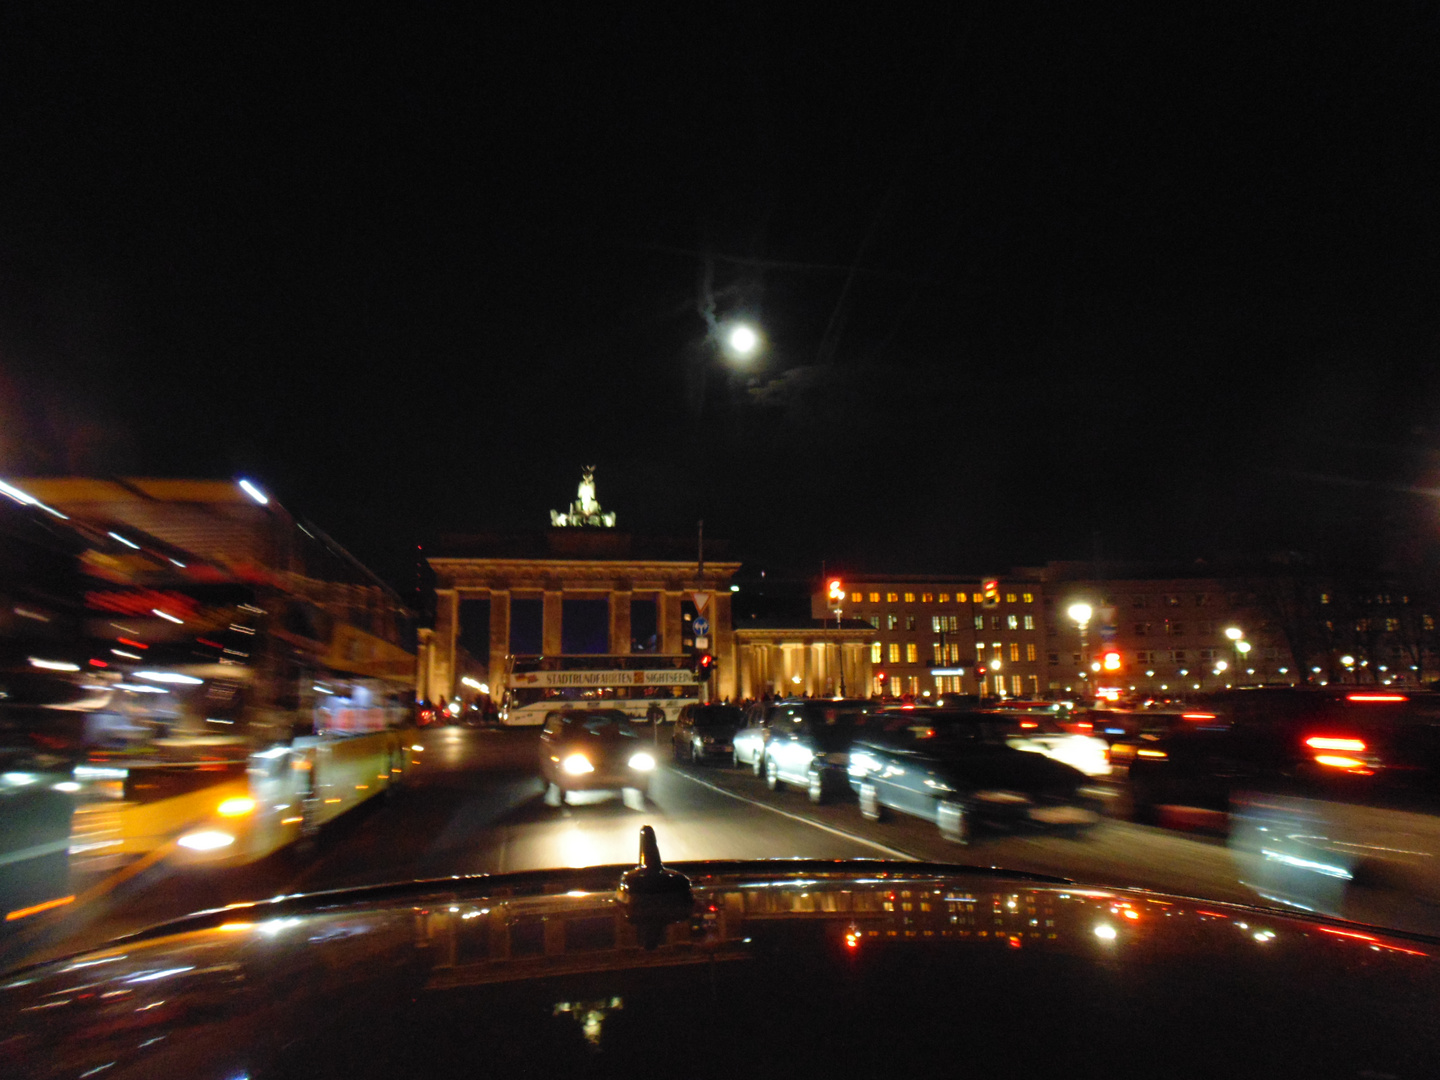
x,y
704,665
992,594
837,591
1110,660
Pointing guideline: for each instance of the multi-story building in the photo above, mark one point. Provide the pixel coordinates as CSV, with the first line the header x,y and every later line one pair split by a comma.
x,y
938,635
1169,633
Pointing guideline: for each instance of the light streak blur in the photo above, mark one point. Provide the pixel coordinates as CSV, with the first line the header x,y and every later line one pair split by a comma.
x,y
254,492
53,665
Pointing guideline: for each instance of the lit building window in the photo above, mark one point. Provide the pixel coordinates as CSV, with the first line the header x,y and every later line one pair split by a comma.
x,y
927,598
894,652
912,653
1029,597
945,598
891,621
960,598
874,598
939,657
980,651
891,597
1010,598
997,647
855,597
1013,622
979,622
1034,685
1014,650
954,622
999,685
1017,687
1030,651
1029,622
875,653
875,621
909,622
909,598
935,623
914,684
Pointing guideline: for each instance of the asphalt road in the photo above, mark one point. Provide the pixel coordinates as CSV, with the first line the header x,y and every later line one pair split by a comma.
x,y
475,805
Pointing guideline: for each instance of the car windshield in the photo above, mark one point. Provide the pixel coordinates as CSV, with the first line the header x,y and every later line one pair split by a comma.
x,y
718,716
436,446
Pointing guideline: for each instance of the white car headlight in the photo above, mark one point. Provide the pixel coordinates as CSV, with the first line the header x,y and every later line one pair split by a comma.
x,y
642,762
577,765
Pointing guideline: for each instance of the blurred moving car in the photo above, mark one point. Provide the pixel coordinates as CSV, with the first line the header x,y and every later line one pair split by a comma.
x,y
809,744
1050,730
705,732
962,770
593,750
748,744
1329,797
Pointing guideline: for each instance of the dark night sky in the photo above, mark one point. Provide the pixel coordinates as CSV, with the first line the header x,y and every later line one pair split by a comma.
x,y
1027,274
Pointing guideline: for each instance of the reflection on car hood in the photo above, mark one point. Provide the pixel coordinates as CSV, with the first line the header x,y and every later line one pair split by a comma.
x,y
808,968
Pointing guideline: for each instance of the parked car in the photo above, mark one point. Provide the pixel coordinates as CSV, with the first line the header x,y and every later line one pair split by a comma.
x,y
961,770
809,744
705,732
593,750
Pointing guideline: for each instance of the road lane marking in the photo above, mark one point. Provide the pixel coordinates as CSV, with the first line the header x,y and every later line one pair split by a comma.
x,y
894,853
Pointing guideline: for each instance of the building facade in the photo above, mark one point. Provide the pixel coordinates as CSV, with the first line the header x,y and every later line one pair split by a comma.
x,y
933,635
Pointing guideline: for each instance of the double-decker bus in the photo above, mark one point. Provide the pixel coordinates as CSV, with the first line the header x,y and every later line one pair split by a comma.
x,y
222,679
644,685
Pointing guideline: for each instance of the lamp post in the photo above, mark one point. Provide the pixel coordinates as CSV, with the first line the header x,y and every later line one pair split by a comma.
x,y
1081,614
1243,648
837,597
1237,637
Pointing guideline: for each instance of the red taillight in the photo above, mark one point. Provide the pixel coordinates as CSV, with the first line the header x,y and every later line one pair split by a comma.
x,y
132,643
1028,724
1377,697
1083,725
1197,716
1326,742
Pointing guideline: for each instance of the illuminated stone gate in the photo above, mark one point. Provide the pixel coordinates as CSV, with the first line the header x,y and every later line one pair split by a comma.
x,y
581,557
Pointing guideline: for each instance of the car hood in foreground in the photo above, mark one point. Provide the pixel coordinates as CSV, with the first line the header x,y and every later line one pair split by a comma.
x,y
789,968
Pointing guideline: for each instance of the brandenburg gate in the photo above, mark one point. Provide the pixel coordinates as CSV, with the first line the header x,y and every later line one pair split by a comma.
x,y
581,556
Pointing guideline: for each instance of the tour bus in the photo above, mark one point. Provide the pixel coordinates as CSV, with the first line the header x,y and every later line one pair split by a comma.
x,y
644,685
225,678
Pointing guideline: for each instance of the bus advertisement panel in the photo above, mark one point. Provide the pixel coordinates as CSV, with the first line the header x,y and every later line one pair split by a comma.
x,y
646,686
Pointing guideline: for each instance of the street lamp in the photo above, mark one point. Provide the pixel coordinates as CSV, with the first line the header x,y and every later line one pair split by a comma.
x,y
1081,613
837,597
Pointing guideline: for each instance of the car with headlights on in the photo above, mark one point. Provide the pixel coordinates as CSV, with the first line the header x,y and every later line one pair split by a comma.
x,y
705,732
1047,728
809,744
593,750
960,770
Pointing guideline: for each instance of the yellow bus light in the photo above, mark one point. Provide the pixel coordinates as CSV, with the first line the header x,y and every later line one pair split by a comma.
x,y
237,807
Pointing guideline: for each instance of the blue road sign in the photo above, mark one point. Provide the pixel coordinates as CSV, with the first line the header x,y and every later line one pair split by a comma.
x,y
700,625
